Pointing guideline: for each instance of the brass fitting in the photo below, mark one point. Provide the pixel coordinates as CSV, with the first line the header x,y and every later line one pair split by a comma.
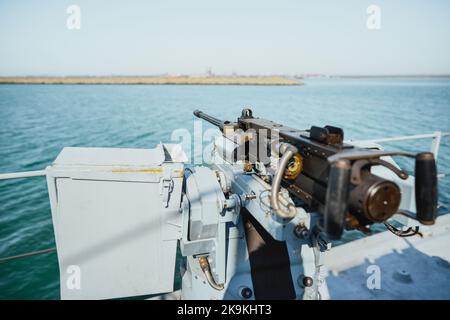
x,y
294,168
204,264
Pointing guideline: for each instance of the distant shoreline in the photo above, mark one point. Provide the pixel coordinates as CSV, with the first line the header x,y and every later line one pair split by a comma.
x,y
275,80
158,80
396,77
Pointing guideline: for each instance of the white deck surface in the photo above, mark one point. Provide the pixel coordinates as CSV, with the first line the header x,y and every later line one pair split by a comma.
x,y
410,268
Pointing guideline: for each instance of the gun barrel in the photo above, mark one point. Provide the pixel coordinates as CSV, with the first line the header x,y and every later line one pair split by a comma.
x,y
217,122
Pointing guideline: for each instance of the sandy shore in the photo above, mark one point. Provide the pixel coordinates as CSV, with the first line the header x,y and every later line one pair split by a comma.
x,y
157,80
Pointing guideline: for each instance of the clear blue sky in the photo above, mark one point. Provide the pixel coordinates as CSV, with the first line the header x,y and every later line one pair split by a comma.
x,y
248,37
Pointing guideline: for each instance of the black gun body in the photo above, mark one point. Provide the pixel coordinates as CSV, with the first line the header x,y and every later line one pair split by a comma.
x,y
311,184
334,178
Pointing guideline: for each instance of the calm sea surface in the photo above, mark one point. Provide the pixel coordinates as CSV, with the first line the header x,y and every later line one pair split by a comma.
x,y
37,121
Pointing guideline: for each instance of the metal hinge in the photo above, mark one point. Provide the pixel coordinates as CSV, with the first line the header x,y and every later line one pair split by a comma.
x,y
167,188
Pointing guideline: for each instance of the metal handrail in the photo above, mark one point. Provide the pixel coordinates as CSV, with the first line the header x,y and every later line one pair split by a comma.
x,y
23,174
435,143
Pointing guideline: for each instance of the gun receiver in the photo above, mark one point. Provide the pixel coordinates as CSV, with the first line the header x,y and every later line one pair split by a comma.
x,y
329,176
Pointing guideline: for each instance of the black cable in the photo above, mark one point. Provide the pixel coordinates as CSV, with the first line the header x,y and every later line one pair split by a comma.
x,y
403,233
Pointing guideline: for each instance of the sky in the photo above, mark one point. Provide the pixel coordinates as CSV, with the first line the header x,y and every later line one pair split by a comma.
x,y
246,37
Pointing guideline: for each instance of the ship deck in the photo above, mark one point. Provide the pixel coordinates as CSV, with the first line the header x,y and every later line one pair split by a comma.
x,y
412,268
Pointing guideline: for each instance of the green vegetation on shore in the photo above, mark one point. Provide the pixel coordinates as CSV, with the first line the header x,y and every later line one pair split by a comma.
x,y
158,80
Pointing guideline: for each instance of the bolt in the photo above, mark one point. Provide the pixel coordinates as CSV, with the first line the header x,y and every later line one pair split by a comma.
x,y
246,293
250,196
402,276
301,231
307,281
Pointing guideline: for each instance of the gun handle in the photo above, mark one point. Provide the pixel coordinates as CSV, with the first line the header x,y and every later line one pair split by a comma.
x,y
337,198
426,188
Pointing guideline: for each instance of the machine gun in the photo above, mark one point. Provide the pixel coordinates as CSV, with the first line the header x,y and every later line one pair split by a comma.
x,y
254,224
328,175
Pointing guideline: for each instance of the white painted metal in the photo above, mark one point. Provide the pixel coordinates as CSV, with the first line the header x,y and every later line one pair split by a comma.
x,y
25,174
113,228
305,259
435,143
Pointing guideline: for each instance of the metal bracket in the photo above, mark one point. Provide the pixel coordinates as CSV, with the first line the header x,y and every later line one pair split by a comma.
x,y
167,188
359,164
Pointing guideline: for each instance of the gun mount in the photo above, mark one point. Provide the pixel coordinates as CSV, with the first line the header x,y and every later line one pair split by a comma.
x,y
254,224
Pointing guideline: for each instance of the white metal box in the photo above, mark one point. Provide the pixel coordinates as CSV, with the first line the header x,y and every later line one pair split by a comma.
x,y
116,219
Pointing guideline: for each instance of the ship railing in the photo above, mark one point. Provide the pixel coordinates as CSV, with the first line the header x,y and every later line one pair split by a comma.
x,y
435,137
23,174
